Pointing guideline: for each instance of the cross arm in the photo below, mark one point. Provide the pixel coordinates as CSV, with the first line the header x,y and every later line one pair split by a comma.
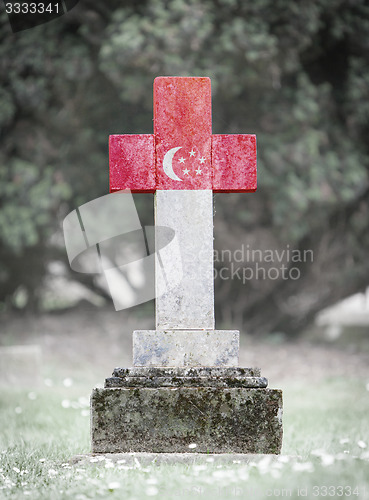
x,y
132,163
234,163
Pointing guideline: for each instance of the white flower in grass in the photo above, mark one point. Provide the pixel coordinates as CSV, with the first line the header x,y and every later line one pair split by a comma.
x,y
367,386
275,473
8,483
18,410
340,456
67,382
218,473
83,401
327,460
42,460
94,459
109,465
121,461
15,469
243,474
114,485
264,464
210,459
344,440
32,396
85,413
277,465
199,467
303,467
225,474
361,444
65,403
152,491
318,453
192,446
52,472
26,492
152,480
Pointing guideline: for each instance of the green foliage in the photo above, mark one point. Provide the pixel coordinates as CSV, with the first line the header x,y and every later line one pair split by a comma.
x,y
267,60
294,73
31,198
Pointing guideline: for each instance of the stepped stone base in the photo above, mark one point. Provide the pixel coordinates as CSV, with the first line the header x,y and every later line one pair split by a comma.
x,y
161,410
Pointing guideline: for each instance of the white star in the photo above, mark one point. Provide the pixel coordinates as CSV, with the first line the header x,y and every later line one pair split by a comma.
x,y
192,153
181,160
198,171
202,160
186,171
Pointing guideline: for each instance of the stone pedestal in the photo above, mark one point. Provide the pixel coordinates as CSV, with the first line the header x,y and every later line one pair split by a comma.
x,y
185,387
165,410
178,348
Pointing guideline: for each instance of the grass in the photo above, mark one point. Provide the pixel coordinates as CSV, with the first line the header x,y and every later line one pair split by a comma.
x,y
325,451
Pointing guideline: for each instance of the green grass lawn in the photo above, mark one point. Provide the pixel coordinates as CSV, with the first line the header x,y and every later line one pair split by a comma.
x,y
325,451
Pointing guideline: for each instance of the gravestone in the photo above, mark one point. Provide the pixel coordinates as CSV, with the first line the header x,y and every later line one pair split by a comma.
x,y
185,391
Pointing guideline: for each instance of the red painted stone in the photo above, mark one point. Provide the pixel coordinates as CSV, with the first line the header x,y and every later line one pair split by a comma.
x,y
132,163
234,163
182,153
182,119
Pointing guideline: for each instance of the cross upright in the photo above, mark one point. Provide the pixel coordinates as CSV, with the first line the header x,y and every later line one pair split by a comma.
x,y
185,391
183,163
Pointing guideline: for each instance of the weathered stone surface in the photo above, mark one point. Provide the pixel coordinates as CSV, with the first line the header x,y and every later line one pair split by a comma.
x,y
182,119
190,305
185,156
254,382
132,163
192,371
234,163
185,348
167,412
170,419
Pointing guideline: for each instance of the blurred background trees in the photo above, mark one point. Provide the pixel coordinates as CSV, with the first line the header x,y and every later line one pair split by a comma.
x,y
296,74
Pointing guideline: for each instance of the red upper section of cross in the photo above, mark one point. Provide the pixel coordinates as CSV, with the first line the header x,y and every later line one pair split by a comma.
x,y
182,153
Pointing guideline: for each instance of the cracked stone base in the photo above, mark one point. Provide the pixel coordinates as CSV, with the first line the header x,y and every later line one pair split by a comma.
x,y
169,419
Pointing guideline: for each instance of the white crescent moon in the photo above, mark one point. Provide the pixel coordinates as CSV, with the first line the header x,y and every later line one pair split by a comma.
x,y
167,164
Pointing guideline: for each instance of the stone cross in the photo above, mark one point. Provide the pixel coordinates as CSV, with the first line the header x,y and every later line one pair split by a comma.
x,y
185,391
183,163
